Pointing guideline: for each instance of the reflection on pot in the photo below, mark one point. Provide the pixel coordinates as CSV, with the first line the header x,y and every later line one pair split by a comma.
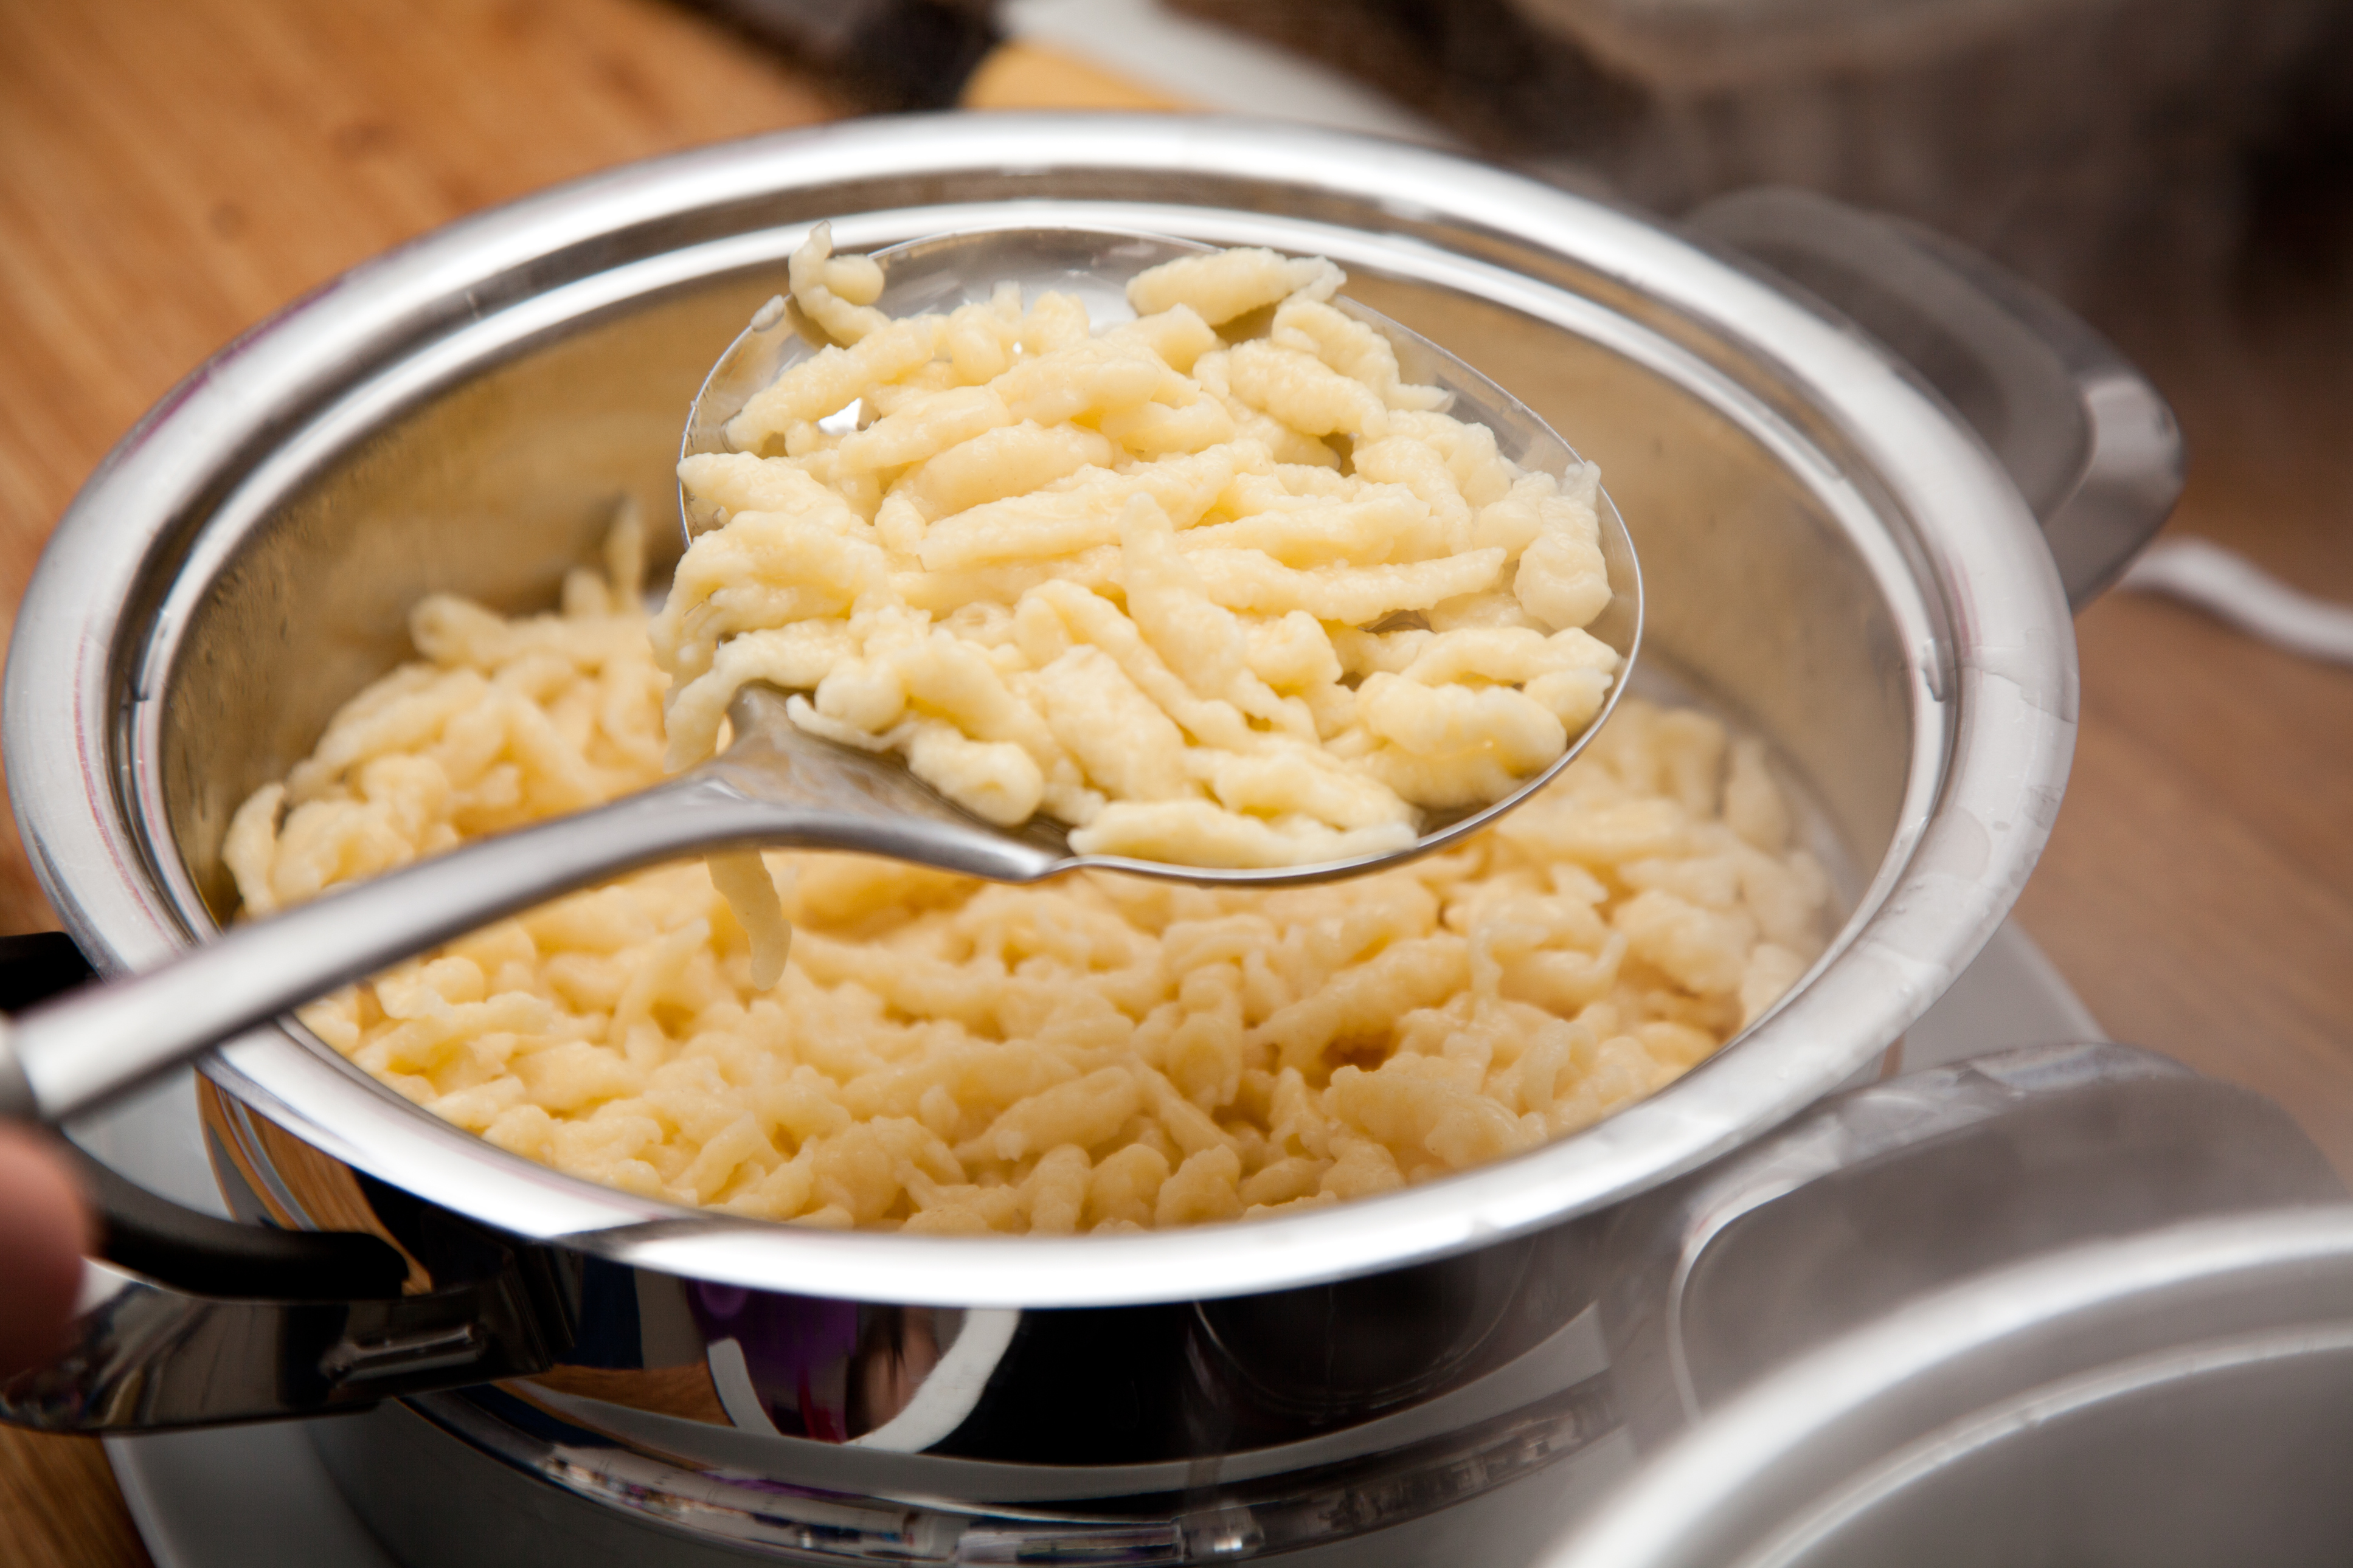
x,y
781,1364
1286,1364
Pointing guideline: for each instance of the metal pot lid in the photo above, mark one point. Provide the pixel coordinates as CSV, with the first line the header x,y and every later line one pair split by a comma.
x,y
1779,1470
1987,651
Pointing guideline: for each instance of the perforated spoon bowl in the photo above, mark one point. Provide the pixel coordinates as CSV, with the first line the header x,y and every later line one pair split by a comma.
x,y
775,786
941,272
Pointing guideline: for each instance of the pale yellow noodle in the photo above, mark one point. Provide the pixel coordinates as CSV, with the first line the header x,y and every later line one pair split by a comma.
x,y
1099,1053
1106,576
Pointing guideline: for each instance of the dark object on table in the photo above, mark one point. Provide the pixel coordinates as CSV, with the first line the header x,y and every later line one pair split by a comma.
x,y
2077,140
886,54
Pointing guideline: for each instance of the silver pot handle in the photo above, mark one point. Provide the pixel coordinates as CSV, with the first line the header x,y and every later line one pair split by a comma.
x,y
190,1320
2092,445
1885,1192
145,1356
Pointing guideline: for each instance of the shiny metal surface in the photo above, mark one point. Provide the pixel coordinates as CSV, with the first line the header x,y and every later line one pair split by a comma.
x,y
1133,1399
2092,445
446,1482
1884,1194
2182,1398
1556,1417
146,1358
1827,557
837,1431
453,1502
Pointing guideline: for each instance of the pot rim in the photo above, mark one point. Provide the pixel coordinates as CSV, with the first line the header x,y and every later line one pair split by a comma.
x,y
1989,661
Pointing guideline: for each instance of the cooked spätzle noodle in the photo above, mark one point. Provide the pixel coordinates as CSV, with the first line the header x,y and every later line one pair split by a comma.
x,y
1127,578
1096,1053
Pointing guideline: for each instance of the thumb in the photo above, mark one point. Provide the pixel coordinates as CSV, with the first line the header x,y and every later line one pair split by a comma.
x,y
44,1225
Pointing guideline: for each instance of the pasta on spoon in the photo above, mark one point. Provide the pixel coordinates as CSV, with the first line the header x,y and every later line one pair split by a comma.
x,y
1216,586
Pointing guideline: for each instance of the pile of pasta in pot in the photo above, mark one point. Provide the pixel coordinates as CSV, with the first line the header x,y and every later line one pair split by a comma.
x,y
1153,581
1097,1053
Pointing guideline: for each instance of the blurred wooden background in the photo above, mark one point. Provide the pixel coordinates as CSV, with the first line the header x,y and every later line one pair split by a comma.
x,y
171,171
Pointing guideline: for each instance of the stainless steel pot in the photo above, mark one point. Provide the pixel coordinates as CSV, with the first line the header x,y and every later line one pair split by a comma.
x,y
2183,1398
1838,559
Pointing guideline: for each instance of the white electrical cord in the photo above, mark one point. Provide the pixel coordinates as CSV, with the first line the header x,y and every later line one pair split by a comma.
x,y
2227,584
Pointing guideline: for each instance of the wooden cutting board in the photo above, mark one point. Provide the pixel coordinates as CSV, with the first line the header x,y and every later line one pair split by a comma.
x,y
171,171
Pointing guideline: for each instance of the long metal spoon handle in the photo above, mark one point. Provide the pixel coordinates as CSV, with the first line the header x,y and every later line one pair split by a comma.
x,y
69,1055
99,1041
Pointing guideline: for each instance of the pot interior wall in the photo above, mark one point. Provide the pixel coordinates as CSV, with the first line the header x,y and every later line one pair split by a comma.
x,y
492,489
494,484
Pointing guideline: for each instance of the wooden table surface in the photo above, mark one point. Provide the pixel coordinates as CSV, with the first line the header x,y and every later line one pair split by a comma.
x,y
171,171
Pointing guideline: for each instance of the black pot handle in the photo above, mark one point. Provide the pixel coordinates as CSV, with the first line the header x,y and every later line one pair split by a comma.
x,y
2092,445
189,1321
178,1247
